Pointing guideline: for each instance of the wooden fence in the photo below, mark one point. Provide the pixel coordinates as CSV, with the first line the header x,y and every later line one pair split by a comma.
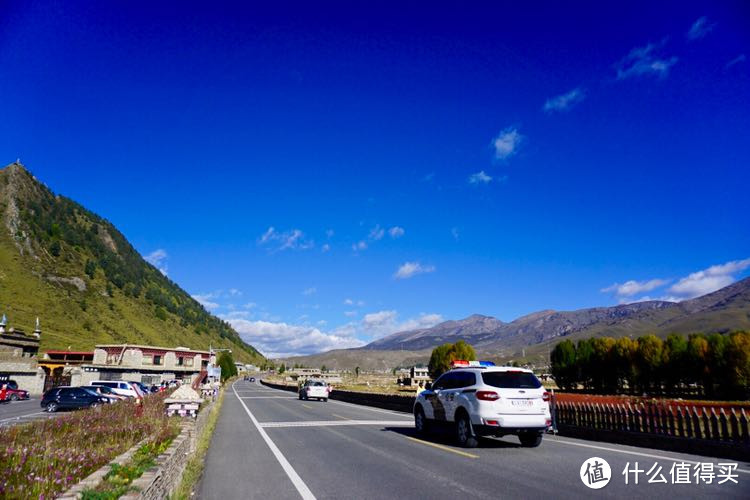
x,y
680,421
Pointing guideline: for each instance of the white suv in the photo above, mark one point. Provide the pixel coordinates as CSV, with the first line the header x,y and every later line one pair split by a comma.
x,y
485,401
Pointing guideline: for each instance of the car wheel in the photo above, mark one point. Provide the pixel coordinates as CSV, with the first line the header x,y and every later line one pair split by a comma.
x,y
464,434
300,397
52,407
93,405
530,439
325,400
420,422
14,397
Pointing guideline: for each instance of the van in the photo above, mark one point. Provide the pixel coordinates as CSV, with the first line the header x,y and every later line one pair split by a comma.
x,y
118,386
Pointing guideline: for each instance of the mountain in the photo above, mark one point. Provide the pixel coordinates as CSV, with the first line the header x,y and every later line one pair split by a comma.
x,y
86,283
530,337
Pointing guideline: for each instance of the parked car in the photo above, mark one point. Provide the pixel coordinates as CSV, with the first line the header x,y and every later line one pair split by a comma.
x,y
71,398
252,379
317,389
12,392
119,386
144,388
107,392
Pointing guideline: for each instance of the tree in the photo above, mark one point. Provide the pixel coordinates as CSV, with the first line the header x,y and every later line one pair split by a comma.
x,y
323,369
697,359
623,362
356,371
90,268
717,362
673,362
282,368
563,364
738,364
584,355
55,248
604,378
648,362
226,363
442,356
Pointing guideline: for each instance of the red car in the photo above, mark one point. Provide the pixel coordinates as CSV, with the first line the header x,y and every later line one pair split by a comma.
x,y
12,392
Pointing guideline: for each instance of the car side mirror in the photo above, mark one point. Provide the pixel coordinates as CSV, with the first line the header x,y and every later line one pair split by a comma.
x,y
428,386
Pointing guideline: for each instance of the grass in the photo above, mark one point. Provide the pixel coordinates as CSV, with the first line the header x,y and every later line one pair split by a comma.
x,y
194,468
43,459
119,478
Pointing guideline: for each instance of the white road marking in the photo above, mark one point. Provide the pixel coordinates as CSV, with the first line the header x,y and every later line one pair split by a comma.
x,y
637,453
297,481
264,397
335,423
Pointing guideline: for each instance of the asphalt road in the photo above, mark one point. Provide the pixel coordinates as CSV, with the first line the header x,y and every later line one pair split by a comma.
x,y
268,444
14,412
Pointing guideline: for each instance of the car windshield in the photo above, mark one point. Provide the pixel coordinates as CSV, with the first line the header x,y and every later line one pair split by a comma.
x,y
317,384
90,391
511,380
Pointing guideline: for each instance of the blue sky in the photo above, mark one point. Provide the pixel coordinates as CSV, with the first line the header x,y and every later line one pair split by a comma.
x,y
323,175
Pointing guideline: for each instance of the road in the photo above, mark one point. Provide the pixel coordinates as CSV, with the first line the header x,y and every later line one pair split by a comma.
x,y
268,444
14,412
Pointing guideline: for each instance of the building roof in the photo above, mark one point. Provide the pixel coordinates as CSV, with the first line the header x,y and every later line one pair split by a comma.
x,y
136,346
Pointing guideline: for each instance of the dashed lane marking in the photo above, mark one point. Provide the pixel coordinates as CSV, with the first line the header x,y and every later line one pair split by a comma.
x,y
339,416
297,481
441,447
335,423
307,406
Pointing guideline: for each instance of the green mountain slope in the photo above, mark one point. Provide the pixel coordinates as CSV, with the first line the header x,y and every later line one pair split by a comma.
x,y
86,283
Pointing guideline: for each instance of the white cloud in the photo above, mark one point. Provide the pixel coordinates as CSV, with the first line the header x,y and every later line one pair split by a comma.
x,y
309,291
632,287
700,28
708,280
479,178
234,292
157,258
645,61
739,59
507,143
409,269
396,232
325,248
377,233
382,323
329,233
454,233
565,101
360,245
288,240
350,314
206,300
691,286
279,339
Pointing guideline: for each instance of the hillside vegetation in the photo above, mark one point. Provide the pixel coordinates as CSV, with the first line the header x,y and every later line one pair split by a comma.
x,y
85,281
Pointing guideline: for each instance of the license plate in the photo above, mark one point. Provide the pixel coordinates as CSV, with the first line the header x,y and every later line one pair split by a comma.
x,y
521,402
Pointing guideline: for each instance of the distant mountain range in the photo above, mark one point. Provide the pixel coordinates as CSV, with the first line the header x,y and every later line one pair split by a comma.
x,y
85,281
531,336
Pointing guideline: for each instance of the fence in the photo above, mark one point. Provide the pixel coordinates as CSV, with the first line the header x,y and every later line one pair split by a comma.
x,y
688,429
